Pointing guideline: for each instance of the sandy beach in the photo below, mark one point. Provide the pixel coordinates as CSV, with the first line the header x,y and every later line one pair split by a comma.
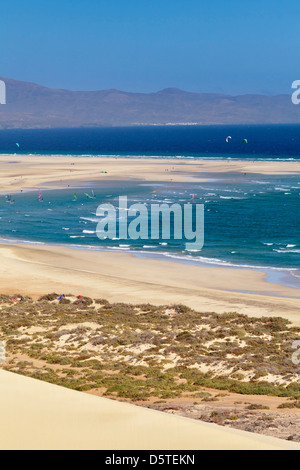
x,y
28,172
34,270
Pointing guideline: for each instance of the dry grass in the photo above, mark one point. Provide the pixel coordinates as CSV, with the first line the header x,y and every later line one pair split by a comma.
x,y
140,351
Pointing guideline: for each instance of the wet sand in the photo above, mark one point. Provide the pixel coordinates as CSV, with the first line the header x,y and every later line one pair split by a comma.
x,y
28,172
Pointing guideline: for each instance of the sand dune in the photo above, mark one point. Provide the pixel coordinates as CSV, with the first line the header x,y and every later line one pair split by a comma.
x,y
38,415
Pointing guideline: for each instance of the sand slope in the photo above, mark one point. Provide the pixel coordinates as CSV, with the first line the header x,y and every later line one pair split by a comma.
x,y
38,415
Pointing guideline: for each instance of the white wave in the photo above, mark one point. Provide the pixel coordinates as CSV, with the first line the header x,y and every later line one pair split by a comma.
x,y
231,197
219,262
90,219
282,250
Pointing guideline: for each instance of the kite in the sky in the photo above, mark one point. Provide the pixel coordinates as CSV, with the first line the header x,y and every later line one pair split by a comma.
x,y
18,145
227,138
246,141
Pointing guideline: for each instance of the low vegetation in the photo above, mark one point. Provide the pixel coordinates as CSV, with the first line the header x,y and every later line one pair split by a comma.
x,y
139,352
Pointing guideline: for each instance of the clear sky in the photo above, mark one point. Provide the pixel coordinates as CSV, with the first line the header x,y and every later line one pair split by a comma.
x,y
225,46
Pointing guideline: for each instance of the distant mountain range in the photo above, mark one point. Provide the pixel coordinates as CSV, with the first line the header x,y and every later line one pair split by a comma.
x,y
34,106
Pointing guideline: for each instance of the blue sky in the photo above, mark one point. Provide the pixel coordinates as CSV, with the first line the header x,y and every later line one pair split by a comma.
x,y
147,45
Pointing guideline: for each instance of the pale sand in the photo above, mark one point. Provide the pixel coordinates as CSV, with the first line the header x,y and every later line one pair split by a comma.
x,y
37,415
122,277
27,172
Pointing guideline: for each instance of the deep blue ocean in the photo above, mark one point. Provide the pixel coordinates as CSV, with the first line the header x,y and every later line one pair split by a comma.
x,y
264,142
250,220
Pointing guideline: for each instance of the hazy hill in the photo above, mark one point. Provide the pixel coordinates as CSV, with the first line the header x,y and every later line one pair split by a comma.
x,y
34,106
